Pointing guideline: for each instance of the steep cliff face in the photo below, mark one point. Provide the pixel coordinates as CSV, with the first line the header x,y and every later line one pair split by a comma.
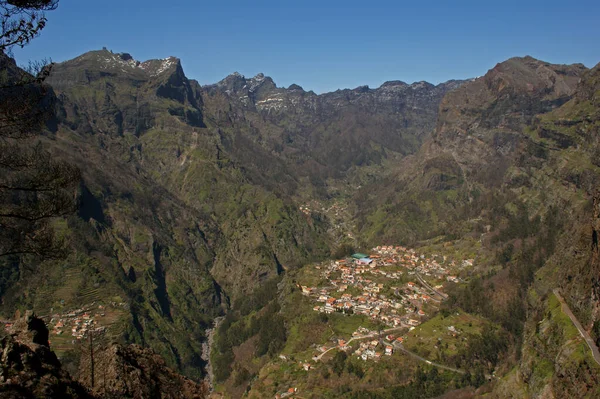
x,y
190,194
522,140
594,263
114,94
481,143
239,151
482,122
553,171
254,227
327,135
169,226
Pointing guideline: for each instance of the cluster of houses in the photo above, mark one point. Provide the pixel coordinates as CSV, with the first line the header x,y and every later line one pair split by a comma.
x,y
410,259
368,285
402,306
373,350
334,210
80,322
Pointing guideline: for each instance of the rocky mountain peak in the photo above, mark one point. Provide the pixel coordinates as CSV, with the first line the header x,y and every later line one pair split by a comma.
x,y
261,83
123,63
125,56
294,86
248,91
393,84
233,82
589,87
528,75
421,85
512,92
160,66
107,60
362,89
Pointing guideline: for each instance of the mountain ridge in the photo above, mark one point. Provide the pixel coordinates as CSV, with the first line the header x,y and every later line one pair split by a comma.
x,y
194,198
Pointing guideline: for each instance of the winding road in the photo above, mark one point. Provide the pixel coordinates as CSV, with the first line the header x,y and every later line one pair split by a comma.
x,y
590,342
397,346
565,308
429,287
317,358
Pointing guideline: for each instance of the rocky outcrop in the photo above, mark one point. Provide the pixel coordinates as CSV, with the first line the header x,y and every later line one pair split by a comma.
x,y
135,372
29,368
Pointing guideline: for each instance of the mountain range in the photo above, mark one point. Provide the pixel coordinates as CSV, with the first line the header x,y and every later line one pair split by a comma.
x,y
193,201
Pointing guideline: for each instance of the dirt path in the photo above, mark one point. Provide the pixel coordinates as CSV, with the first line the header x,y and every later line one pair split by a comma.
x,y
399,346
590,342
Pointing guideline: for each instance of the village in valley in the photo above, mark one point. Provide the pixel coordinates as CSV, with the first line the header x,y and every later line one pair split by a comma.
x,y
395,287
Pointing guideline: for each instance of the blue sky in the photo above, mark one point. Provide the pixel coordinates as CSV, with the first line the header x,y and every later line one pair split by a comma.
x,y
325,45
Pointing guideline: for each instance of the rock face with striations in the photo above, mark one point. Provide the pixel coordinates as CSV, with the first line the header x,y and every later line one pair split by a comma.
x,y
328,134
